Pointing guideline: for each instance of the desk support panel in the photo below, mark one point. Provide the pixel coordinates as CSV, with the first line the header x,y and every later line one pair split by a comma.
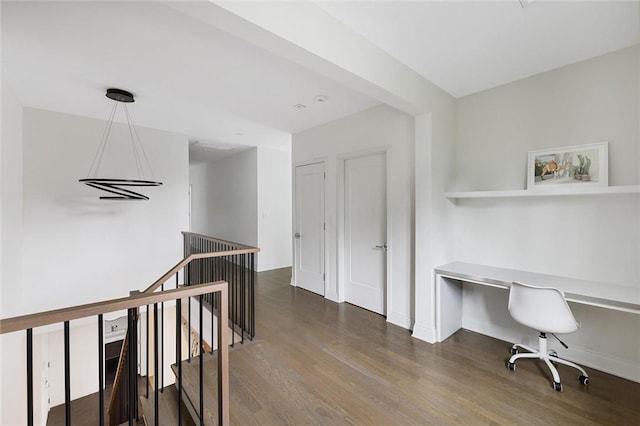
x,y
448,306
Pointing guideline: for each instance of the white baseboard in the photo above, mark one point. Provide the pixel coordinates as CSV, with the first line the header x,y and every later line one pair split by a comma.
x,y
263,268
331,295
428,334
400,320
583,356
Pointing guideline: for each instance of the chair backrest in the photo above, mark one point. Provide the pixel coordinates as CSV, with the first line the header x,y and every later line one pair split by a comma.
x,y
542,308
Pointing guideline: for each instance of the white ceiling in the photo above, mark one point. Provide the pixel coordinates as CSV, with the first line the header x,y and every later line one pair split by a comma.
x,y
188,77
468,46
194,79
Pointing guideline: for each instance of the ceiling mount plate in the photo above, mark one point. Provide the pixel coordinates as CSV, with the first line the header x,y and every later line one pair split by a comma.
x,y
120,95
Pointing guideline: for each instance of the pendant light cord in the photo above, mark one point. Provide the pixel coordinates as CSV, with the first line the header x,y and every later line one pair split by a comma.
x,y
133,141
97,158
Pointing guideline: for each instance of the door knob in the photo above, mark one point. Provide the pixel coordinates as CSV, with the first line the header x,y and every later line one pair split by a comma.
x,y
297,235
382,247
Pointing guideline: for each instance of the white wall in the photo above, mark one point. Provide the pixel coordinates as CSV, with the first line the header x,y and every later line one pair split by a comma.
x,y
83,356
589,237
274,209
80,249
246,198
224,198
434,144
380,127
12,346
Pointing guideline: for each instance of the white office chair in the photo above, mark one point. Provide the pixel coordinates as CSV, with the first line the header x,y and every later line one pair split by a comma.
x,y
544,309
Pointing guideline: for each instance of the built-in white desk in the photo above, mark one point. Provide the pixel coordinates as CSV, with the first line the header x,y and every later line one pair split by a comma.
x,y
449,291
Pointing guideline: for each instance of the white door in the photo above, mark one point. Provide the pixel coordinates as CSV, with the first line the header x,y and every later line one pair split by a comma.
x,y
310,227
365,191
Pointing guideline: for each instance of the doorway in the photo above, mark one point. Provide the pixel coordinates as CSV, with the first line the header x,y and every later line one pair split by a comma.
x,y
365,231
309,227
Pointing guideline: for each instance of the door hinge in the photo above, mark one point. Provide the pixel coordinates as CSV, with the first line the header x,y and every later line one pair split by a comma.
x,y
324,277
324,225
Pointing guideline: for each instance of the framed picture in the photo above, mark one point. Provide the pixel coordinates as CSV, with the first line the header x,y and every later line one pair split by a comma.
x,y
570,165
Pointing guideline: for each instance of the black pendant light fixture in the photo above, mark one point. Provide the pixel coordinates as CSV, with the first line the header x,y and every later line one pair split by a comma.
x,y
118,186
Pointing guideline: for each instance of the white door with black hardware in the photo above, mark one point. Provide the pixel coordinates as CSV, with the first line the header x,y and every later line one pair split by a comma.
x,y
309,233
365,190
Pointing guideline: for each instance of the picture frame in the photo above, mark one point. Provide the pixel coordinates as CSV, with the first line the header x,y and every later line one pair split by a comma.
x,y
578,165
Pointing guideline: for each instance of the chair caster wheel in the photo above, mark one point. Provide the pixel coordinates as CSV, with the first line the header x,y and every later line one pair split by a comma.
x,y
583,379
511,366
557,386
514,351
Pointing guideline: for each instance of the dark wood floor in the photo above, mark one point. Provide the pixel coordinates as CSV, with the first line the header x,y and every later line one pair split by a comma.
x,y
318,362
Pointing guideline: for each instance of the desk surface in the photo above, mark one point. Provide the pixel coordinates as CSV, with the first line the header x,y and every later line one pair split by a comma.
x,y
610,296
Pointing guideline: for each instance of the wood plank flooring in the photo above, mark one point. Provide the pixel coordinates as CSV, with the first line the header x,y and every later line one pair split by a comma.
x,y
315,362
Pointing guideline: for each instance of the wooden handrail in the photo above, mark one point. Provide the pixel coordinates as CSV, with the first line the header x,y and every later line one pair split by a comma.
x,y
184,262
218,240
24,322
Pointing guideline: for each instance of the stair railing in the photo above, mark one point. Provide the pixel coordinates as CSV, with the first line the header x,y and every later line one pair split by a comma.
x,y
131,304
233,263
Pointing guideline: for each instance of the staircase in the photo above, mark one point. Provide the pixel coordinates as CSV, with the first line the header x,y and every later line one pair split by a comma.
x,y
212,259
218,279
188,413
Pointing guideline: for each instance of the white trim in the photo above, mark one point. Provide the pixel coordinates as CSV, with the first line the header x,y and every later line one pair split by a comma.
x,y
424,333
399,319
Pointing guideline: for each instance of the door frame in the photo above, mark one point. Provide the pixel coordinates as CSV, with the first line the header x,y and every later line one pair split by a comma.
x,y
294,217
341,212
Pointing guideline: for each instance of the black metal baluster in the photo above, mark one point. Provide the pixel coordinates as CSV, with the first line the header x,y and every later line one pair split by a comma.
x,y
252,293
212,328
211,306
189,328
101,370
134,362
146,394
216,273
67,376
30,377
242,296
234,286
155,363
201,351
130,387
179,353
162,345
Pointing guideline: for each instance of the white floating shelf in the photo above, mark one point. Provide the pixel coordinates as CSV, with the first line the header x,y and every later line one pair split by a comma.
x,y
556,191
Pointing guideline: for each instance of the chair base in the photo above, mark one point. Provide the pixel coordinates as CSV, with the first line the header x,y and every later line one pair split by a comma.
x,y
549,358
